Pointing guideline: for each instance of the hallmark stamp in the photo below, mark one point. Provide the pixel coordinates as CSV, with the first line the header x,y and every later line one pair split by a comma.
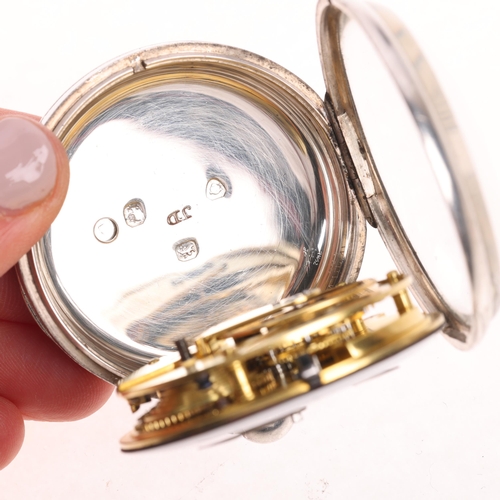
x,y
186,249
106,230
215,189
175,217
134,212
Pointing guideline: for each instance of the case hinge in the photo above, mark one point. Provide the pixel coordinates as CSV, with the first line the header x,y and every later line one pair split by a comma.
x,y
352,156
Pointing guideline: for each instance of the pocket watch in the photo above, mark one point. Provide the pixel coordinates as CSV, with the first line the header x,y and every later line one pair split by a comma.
x,y
220,207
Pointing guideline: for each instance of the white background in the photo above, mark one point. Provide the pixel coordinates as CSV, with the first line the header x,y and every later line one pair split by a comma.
x,y
428,430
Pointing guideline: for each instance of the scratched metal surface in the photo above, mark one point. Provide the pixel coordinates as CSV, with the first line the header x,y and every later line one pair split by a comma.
x,y
230,206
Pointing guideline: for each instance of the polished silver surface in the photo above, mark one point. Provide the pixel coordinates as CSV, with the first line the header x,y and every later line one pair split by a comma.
x,y
216,168
434,223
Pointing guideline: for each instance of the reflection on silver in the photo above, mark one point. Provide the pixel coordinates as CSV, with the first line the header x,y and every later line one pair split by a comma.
x,y
134,212
270,433
215,189
248,251
105,230
186,249
182,305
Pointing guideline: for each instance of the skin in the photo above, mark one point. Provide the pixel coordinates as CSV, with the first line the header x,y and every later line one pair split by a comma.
x,y
37,380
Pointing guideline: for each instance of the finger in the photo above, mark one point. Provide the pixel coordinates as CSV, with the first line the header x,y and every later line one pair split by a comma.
x,y
42,381
12,305
11,431
34,177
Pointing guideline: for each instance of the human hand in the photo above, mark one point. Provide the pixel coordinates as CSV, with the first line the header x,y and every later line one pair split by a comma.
x,y
37,380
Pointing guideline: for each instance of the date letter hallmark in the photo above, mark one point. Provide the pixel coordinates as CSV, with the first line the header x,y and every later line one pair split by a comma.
x,y
174,218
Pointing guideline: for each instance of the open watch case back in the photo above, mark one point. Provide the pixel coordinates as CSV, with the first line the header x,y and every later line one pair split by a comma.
x,y
225,186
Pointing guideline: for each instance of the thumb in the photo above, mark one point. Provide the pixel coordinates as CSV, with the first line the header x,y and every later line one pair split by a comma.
x,y
34,177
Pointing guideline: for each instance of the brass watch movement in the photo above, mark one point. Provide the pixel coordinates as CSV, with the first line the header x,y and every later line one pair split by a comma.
x,y
272,355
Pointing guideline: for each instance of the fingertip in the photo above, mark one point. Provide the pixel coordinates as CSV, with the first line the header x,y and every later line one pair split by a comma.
x,y
42,381
34,177
11,432
83,394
